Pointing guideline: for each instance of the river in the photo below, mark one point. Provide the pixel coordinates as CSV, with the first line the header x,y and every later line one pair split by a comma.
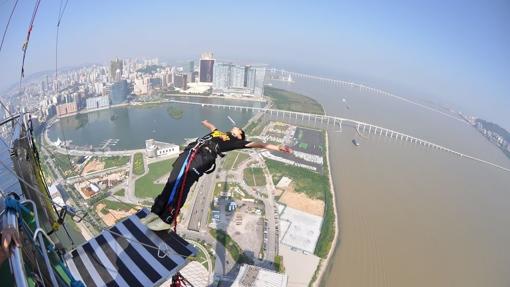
x,y
410,215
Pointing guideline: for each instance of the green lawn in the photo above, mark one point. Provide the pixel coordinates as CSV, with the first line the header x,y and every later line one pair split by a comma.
x,y
114,161
145,186
116,205
219,187
201,258
278,263
120,192
222,186
62,161
290,101
233,248
138,167
314,185
254,176
255,127
327,229
233,159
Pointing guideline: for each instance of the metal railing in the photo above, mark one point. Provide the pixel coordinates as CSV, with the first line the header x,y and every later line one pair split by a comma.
x,y
10,219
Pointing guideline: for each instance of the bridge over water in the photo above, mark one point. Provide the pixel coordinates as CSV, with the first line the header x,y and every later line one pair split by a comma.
x,y
337,123
363,88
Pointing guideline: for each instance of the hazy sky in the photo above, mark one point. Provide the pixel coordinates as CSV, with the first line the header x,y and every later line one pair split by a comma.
x,y
454,52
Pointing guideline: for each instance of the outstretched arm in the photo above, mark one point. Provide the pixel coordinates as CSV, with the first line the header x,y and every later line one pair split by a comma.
x,y
269,146
208,125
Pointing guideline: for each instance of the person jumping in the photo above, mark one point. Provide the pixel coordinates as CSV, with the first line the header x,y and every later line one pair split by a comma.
x,y
197,159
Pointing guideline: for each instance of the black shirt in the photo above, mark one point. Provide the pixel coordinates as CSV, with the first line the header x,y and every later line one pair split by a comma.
x,y
227,141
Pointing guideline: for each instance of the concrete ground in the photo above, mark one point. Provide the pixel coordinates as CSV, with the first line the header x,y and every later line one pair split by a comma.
x,y
299,267
249,233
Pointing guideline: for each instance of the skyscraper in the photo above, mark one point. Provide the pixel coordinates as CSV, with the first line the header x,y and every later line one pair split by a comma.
x,y
259,78
249,78
236,76
181,81
119,92
191,67
221,79
206,67
116,67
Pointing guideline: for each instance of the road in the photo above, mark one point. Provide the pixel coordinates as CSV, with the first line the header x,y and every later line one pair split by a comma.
x,y
208,258
269,203
204,189
224,262
77,178
87,234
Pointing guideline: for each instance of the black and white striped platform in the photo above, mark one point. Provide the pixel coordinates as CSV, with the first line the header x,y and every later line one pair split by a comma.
x,y
113,260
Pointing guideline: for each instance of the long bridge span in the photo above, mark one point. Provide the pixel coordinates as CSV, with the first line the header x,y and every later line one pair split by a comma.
x,y
361,87
326,121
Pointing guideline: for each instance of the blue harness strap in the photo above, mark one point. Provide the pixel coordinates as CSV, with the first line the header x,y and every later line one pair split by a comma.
x,y
74,282
178,180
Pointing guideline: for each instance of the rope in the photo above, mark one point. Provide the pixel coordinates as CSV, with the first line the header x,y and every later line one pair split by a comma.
x,y
2,44
25,45
8,23
59,20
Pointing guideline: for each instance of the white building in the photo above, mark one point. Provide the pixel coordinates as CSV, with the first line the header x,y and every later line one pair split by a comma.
x,y
154,148
237,76
260,76
141,86
221,80
235,80
253,276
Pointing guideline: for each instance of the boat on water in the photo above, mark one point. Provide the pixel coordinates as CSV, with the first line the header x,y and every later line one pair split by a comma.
x,y
355,142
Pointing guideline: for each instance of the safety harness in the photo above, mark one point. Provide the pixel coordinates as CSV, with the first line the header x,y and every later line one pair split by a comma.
x,y
204,144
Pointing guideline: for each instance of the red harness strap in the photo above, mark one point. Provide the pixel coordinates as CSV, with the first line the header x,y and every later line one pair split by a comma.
x,y
183,185
179,281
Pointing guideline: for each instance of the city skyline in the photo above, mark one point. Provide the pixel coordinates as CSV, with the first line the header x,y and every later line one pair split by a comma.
x,y
460,61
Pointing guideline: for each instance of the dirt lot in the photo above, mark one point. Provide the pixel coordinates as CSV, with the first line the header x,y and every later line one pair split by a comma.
x,y
113,215
302,202
93,165
248,234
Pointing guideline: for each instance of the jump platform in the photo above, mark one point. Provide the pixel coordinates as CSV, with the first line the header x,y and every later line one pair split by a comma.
x,y
130,254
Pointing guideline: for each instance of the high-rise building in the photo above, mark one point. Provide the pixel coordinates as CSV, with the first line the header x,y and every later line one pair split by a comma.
x,y
260,76
181,81
194,76
249,78
98,102
119,92
141,86
116,67
233,79
221,79
236,76
66,109
206,67
191,67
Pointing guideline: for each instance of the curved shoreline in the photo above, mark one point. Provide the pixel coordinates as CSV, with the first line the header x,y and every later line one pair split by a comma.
x,y
324,263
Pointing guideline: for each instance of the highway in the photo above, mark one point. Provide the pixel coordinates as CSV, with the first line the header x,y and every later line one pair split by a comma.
x,y
203,190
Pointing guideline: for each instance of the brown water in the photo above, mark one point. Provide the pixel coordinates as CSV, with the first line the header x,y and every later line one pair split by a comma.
x,y
409,215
